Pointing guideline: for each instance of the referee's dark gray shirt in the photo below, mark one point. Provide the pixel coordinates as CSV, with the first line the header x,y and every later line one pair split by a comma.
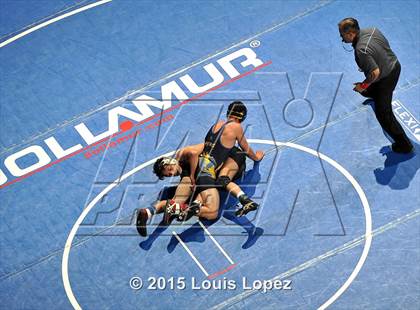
x,y
372,51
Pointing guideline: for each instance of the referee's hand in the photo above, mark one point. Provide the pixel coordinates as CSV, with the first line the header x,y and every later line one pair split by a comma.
x,y
358,88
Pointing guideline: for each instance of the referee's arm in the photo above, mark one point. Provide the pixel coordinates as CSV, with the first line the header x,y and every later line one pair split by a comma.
x,y
371,70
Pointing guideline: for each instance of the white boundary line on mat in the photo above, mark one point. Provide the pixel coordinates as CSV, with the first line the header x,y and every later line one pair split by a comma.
x,y
317,260
341,169
50,21
216,243
190,253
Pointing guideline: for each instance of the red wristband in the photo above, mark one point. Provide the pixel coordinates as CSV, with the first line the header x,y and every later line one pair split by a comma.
x,y
364,85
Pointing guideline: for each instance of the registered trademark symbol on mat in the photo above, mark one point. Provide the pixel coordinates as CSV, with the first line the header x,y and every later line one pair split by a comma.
x,y
254,43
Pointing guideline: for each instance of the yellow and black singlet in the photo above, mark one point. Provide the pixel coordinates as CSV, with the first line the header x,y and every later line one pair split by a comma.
x,y
214,153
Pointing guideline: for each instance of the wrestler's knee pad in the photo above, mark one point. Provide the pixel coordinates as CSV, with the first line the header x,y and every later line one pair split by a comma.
x,y
223,181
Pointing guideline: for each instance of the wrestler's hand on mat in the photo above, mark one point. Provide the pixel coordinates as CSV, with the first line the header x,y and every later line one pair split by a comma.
x,y
259,155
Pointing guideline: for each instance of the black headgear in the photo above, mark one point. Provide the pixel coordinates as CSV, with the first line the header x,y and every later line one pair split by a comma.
x,y
237,109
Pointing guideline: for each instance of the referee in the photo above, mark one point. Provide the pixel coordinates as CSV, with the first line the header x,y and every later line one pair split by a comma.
x,y
382,69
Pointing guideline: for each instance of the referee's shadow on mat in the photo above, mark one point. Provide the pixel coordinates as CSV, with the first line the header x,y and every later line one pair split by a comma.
x,y
399,169
195,233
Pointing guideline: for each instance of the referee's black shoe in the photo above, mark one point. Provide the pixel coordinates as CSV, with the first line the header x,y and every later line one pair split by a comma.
x,y
403,149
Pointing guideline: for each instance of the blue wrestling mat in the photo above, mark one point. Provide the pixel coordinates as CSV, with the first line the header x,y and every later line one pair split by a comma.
x,y
93,92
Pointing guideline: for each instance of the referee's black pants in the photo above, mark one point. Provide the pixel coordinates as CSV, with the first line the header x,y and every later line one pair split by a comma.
x,y
381,93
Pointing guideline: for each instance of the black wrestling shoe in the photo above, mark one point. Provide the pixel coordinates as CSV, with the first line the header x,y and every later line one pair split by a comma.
x,y
247,206
141,222
397,148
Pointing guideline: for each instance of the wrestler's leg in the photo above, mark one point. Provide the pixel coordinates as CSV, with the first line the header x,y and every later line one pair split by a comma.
x,y
210,201
182,192
229,169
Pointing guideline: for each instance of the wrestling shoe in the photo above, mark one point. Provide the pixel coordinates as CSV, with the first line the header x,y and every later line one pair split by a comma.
x,y
247,206
190,211
141,222
172,210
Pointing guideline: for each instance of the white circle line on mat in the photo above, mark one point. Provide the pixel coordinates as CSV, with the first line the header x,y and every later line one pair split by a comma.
x,y
341,169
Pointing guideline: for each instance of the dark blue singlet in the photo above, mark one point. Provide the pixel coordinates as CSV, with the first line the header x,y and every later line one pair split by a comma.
x,y
214,153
